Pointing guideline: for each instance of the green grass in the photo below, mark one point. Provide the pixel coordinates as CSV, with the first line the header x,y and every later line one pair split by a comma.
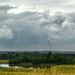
x,y
2,69
4,61
54,70
64,68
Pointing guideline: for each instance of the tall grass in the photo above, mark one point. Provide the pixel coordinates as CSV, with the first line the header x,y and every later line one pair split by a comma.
x,y
54,70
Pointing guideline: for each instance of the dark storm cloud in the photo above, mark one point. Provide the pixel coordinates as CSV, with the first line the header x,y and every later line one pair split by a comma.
x,y
20,29
58,18
31,29
5,7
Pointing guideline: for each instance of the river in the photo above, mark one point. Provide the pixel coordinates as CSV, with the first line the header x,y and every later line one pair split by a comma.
x,y
7,66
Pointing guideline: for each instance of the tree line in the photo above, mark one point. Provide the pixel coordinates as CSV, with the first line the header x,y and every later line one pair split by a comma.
x,y
38,58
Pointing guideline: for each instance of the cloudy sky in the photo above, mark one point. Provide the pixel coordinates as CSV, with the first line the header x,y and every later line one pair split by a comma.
x,y
37,24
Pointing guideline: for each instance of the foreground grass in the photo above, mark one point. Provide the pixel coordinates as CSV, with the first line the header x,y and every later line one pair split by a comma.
x,y
23,73
54,70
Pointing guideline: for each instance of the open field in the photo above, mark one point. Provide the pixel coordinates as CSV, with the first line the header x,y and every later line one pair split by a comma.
x,y
23,73
54,70
4,61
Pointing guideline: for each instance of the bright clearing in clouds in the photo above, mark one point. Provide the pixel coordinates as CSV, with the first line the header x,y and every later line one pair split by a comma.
x,y
31,24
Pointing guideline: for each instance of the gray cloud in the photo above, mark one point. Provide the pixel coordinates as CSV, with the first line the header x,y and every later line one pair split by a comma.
x,y
5,32
41,4
33,29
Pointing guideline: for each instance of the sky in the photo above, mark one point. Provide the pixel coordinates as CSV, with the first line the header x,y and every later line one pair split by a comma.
x,y
37,25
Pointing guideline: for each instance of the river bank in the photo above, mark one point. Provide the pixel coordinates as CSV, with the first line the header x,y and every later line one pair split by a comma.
x,y
5,63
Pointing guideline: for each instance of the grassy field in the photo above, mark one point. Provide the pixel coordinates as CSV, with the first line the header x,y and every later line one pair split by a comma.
x,y
54,70
4,61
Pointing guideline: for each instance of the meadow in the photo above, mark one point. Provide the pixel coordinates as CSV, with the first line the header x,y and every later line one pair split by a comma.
x,y
4,61
54,70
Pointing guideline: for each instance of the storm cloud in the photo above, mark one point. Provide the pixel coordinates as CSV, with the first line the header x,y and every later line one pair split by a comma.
x,y
32,30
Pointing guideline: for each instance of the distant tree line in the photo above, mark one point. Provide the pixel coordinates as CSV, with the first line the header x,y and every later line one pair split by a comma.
x,y
38,58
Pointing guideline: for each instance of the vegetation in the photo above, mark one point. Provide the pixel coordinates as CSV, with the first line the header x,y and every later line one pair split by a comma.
x,y
54,70
4,61
38,58
62,62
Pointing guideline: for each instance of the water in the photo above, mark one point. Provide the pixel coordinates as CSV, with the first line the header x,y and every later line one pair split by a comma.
x,y
4,65
7,66
30,67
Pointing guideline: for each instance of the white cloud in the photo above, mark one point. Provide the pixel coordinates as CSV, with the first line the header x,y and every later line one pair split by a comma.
x,y
54,5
